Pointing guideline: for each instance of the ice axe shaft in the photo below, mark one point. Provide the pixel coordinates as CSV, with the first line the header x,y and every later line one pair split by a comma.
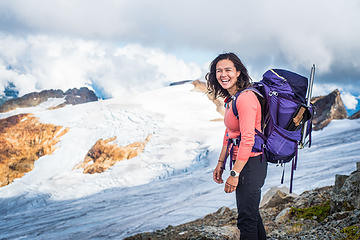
x,y
308,98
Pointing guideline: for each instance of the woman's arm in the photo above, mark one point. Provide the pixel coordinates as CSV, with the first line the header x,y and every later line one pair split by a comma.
x,y
217,174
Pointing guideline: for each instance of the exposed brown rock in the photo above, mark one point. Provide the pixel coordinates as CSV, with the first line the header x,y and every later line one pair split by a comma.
x,y
23,140
103,155
327,108
72,96
219,102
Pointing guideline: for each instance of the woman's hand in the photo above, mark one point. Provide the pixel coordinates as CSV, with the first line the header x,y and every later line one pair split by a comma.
x,y
217,174
231,184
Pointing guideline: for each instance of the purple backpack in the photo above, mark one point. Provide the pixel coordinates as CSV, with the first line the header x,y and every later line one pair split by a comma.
x,y
282,96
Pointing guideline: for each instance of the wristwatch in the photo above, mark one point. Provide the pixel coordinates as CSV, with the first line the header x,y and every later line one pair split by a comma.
x,y
233,173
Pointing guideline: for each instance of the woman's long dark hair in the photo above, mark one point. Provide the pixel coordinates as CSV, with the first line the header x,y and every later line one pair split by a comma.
x,y
213,86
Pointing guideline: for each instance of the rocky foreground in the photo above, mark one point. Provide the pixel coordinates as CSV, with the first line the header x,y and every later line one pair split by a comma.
x,y
331,212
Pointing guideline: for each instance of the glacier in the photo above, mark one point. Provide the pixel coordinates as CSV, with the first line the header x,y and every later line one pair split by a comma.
x,y
169,183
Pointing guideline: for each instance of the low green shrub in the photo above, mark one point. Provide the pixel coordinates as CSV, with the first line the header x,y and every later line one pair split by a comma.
x,y
318,212
352,232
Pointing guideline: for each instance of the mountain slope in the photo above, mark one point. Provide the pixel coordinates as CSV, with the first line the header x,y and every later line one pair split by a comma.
x,y
169,183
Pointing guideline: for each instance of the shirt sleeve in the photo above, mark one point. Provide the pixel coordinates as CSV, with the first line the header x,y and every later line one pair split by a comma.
x,y
247,104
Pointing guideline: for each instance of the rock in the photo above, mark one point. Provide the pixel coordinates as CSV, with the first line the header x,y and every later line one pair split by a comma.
x,y
282,216
276,196
327,108
313,197
23,140
78,96
347,197
339,182
220,225
72,96
355,115
30,99
306,216
104,155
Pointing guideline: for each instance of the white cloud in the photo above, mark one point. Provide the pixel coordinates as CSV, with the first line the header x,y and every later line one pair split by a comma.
x,y
39,62
297,33
349,100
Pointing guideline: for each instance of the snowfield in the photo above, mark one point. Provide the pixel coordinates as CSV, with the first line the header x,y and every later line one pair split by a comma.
x,y
169,183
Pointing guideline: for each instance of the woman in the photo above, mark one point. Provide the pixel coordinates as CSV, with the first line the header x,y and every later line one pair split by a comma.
x,y
228,76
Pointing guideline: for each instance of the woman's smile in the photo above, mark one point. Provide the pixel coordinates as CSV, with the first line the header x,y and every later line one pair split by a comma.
x,y
227,75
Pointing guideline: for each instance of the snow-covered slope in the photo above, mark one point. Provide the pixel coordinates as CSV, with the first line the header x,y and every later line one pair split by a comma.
x,y
170,183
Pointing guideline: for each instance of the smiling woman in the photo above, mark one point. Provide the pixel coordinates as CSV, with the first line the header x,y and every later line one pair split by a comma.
x,y
227,77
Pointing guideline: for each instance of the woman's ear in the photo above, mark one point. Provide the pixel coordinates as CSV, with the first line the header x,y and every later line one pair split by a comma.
x,y
238,74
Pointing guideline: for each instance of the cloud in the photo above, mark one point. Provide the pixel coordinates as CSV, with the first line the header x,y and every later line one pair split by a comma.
x,y
349,100
265,34
288,34
38,62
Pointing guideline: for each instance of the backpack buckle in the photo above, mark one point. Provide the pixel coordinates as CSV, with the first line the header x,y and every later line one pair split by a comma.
x,y
271,93
235,141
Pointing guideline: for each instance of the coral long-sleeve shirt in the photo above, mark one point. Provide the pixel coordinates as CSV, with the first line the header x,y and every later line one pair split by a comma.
x,y
249,111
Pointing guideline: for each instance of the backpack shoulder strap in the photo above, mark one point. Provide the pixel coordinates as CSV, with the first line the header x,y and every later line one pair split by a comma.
x,y
234,99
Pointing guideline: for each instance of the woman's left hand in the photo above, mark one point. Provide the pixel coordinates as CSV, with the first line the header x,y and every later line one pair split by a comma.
x,y
231,184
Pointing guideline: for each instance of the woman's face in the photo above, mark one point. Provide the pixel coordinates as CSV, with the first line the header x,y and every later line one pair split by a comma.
x,y
226,75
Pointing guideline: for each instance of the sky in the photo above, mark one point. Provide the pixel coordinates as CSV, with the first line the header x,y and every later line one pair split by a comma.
x,y
119,47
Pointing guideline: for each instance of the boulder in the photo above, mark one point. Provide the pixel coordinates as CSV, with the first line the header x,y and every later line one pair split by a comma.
x,y
327,108
339,182
283,216
277,196
346,196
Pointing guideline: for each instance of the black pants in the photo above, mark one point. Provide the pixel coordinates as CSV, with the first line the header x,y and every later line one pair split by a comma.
x,y
248,194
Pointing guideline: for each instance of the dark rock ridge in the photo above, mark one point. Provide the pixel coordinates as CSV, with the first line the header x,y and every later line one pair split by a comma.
x,y
331,212
180,82
327,108
72,96
355,115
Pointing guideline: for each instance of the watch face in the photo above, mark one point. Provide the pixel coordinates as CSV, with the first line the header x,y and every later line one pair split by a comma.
x,y
232,173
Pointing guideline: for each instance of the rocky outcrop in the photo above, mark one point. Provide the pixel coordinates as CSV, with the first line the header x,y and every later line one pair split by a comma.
x,y
78,96
23,140
331,212
72,96
220,225
355,115
327,108
219,102
346,194
179,82
103,155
